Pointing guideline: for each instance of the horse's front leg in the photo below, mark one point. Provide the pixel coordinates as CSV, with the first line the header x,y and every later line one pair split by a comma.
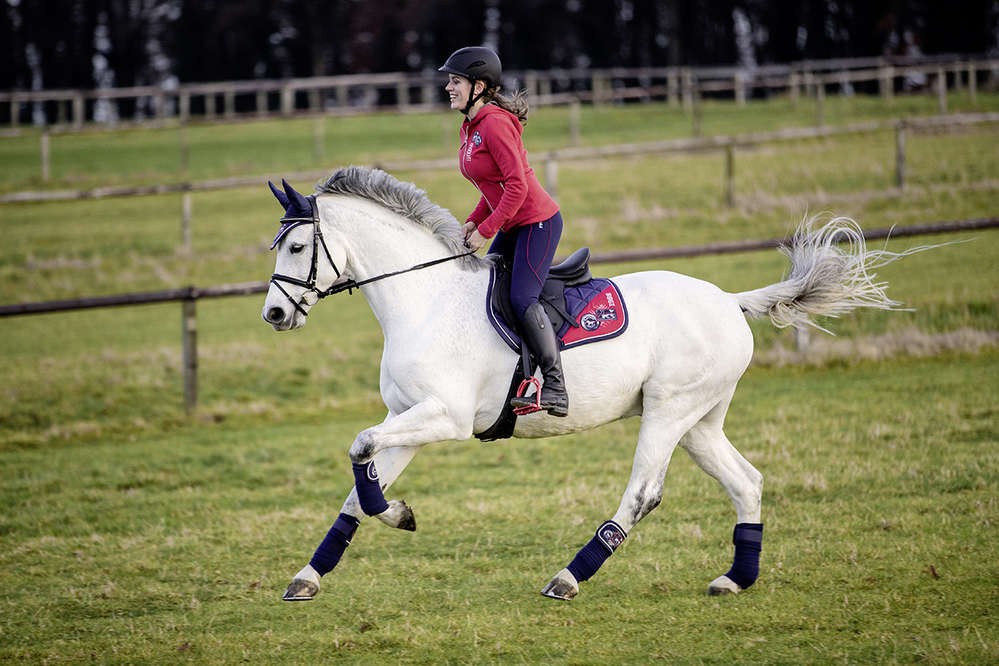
x,y
379,455
425,422
305,585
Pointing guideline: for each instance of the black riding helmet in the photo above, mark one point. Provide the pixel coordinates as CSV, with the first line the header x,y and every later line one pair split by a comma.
x,y
475,63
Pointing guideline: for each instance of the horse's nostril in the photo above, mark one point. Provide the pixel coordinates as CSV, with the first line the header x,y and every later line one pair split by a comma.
x,y
275,315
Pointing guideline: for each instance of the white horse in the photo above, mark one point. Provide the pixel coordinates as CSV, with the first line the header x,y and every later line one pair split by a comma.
x,y
445,372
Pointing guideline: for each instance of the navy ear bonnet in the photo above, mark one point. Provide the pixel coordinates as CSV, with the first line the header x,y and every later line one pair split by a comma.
x,y
298,209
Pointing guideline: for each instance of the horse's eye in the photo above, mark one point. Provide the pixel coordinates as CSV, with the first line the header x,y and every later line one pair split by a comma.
x,y
296,247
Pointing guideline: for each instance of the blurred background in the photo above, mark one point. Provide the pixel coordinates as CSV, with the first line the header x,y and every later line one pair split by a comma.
x,y
165,43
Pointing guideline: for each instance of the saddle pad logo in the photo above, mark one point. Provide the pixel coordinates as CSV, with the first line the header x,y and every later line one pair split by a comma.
x,y
603,316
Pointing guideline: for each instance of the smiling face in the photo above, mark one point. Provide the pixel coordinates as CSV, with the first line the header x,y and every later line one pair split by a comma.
x,y
459,89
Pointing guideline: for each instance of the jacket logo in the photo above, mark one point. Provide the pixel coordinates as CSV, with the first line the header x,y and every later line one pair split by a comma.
x,y
476,139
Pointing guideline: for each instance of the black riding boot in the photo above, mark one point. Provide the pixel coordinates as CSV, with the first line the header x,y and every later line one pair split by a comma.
x,y
539,336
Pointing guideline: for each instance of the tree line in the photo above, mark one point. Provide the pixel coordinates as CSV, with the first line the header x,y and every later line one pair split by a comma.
x,y
48,44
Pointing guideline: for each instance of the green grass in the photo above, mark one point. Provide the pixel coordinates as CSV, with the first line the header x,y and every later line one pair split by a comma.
x,y
155,155
880,508
133,534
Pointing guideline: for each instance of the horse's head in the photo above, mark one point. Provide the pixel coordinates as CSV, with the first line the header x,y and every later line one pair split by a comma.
x,y
304,261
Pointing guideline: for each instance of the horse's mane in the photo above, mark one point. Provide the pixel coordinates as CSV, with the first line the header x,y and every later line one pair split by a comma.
x,y
405,199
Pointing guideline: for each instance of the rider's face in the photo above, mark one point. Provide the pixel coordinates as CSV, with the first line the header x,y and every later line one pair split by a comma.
x,y
458,90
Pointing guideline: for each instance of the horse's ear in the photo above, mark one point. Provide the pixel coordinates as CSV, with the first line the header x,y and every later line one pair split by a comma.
x,y
295,197
279,195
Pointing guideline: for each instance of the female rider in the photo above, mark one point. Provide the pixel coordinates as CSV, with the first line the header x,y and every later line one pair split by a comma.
x,y
514,210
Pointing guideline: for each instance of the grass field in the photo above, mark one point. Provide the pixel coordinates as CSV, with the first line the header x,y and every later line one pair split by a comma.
x,y
132,534
880,507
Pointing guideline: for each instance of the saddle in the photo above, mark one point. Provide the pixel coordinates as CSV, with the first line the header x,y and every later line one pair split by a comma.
x,y
582,309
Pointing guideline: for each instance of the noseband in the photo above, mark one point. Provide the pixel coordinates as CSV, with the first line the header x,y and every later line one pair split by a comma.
x,y
289,223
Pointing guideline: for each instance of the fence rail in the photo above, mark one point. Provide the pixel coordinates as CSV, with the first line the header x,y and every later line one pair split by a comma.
x,y
549,158
188,296
406,91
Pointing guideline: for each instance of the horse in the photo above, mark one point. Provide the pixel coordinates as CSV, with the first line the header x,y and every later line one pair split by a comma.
x,y
445,372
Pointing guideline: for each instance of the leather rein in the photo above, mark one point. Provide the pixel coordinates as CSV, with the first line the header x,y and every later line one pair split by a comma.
x,y
337,287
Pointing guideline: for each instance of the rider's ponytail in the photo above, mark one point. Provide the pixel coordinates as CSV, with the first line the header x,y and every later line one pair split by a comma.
x,y
515,103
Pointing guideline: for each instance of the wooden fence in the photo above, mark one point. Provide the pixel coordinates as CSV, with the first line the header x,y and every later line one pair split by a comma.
x,y
550,160
189,296
406,91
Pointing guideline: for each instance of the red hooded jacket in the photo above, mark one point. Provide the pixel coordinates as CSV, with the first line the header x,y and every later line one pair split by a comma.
x,y
493,157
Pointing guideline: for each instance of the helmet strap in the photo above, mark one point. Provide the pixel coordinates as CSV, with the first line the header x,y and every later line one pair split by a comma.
x,y
473,98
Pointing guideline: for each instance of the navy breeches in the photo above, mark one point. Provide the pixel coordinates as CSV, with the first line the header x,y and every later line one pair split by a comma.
x,y
529,250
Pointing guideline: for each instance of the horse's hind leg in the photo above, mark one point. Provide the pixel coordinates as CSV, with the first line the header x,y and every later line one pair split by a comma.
x,y
662,426
710,449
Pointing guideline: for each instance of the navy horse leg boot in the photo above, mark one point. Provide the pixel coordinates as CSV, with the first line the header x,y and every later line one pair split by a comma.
x,y
539,336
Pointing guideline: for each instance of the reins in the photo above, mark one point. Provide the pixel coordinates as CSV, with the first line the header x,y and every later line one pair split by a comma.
x,y
336,288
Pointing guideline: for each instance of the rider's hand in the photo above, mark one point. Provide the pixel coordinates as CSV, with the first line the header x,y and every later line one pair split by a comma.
x,y
468,228
475,240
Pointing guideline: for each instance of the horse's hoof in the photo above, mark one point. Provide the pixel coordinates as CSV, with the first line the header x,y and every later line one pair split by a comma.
x,y
563,586
301,590
723,585
398,515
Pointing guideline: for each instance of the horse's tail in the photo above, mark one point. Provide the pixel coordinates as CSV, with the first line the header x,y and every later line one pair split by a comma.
x,y
831,274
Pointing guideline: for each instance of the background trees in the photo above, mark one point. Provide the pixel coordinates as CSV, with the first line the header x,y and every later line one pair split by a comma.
x,y
103,43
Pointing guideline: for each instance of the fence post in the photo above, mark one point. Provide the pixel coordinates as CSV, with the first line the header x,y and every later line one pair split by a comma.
x,y
46,171
160,102
551,176
793,85
78,111
802,336
184,102
319,139
189,333
185,149
941,90
402,95
886,81
730,174
900,154
185,223
972,83
229,103
695,101
597,86
574,111
686,90
820,101
672,87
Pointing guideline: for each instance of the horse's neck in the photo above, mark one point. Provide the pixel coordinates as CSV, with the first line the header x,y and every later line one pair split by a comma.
x,y
384,244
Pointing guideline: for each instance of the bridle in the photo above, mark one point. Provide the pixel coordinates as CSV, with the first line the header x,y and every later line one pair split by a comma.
x,y
309,283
